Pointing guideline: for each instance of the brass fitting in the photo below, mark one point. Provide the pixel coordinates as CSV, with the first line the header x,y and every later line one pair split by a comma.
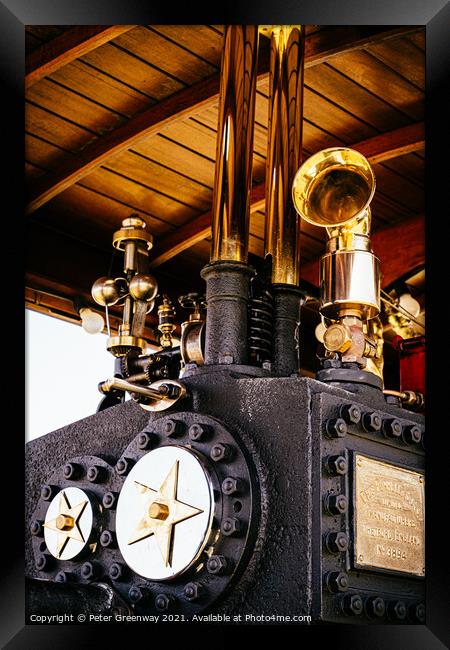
x,y
166,316
337,338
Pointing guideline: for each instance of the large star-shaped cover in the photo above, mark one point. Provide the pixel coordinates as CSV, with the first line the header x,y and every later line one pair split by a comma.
x,y
162,529
66,510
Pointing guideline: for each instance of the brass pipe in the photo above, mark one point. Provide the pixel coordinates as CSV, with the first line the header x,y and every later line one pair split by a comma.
x,y
282,227
233,172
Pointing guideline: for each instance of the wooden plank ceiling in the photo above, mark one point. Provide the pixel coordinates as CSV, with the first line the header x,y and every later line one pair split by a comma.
x,y
124,119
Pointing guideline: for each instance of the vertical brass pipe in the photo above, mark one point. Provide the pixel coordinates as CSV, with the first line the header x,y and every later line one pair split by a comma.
x,y
233,174
228,274
282,227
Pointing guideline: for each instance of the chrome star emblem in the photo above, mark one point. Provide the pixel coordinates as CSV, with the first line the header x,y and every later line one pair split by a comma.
x,y
161,512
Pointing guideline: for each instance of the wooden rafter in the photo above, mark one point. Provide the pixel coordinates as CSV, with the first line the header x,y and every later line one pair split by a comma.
x,y
71,44
319,47
377,149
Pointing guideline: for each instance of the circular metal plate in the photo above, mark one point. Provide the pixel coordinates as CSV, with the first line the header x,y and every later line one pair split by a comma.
x,y
68,523
164,513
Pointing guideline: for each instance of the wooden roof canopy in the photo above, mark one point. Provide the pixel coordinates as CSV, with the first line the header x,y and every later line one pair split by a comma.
x,y
123,119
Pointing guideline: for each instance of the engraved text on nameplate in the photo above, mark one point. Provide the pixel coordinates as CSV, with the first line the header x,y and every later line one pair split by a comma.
x,y
389,517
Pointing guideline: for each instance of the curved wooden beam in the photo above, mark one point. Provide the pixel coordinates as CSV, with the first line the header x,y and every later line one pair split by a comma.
x,y
377,149
319,47
66,47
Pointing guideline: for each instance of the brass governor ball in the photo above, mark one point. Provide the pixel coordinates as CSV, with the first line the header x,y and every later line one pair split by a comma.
x,y
105,291
143,287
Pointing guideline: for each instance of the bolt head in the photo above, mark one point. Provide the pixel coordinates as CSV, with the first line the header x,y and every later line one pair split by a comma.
x,y
220,452
163,602
62,576
43,562
72,471
336,465
145,440
47,492
371,421
352,604
336,581
217,564
336,504
173,428
36,527
136,594
417,612
231,486
396,610
107,539
351,413
123,466
336,428
198,431
88,570
109,500
116,571
95,474
412,434
230,526
336,542
392,428
193,591
375,607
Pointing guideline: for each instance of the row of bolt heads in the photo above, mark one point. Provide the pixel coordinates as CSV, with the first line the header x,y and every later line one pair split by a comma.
x,y
374,607
371,422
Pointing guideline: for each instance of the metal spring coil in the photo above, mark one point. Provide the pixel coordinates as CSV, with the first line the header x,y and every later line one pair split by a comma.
x,y
261,314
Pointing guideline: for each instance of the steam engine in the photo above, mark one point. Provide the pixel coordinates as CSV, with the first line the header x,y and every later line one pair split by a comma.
x,y
230,483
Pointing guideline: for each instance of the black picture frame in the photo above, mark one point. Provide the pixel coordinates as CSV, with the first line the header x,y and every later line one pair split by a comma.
x,y
435,15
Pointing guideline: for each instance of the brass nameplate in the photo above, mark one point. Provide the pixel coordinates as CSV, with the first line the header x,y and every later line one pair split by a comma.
x,y
389,517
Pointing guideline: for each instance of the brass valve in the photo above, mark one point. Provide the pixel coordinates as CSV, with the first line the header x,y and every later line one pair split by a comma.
x,y
337,338
166,316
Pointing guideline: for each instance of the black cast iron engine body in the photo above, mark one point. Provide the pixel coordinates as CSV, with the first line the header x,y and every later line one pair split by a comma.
x,y
288,547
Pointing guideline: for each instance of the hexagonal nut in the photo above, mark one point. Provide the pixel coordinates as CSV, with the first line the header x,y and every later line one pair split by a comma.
x,y
72,471
37,527
109,500
375,607
107,539
371,421
396,610
217,564
193,591
336,465
96,474
221,452
44,562
351,413
124,465
48,492
336,504
137,593
232,485
89,571
198,431
116,571
336,542
230,526
417,612
63,576
336,428
352,605
392,428
412,434
146,440
336,581
163,602
173,428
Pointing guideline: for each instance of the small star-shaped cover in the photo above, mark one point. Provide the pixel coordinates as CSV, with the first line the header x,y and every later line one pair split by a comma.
x,y
71,531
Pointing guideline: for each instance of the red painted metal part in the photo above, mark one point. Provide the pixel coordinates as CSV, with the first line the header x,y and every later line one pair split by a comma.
x,y
412,363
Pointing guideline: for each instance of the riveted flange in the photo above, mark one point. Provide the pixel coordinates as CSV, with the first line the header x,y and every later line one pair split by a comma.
x,y
186,518
70,524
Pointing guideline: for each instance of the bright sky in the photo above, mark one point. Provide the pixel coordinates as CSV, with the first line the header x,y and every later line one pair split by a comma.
x,y
63,366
